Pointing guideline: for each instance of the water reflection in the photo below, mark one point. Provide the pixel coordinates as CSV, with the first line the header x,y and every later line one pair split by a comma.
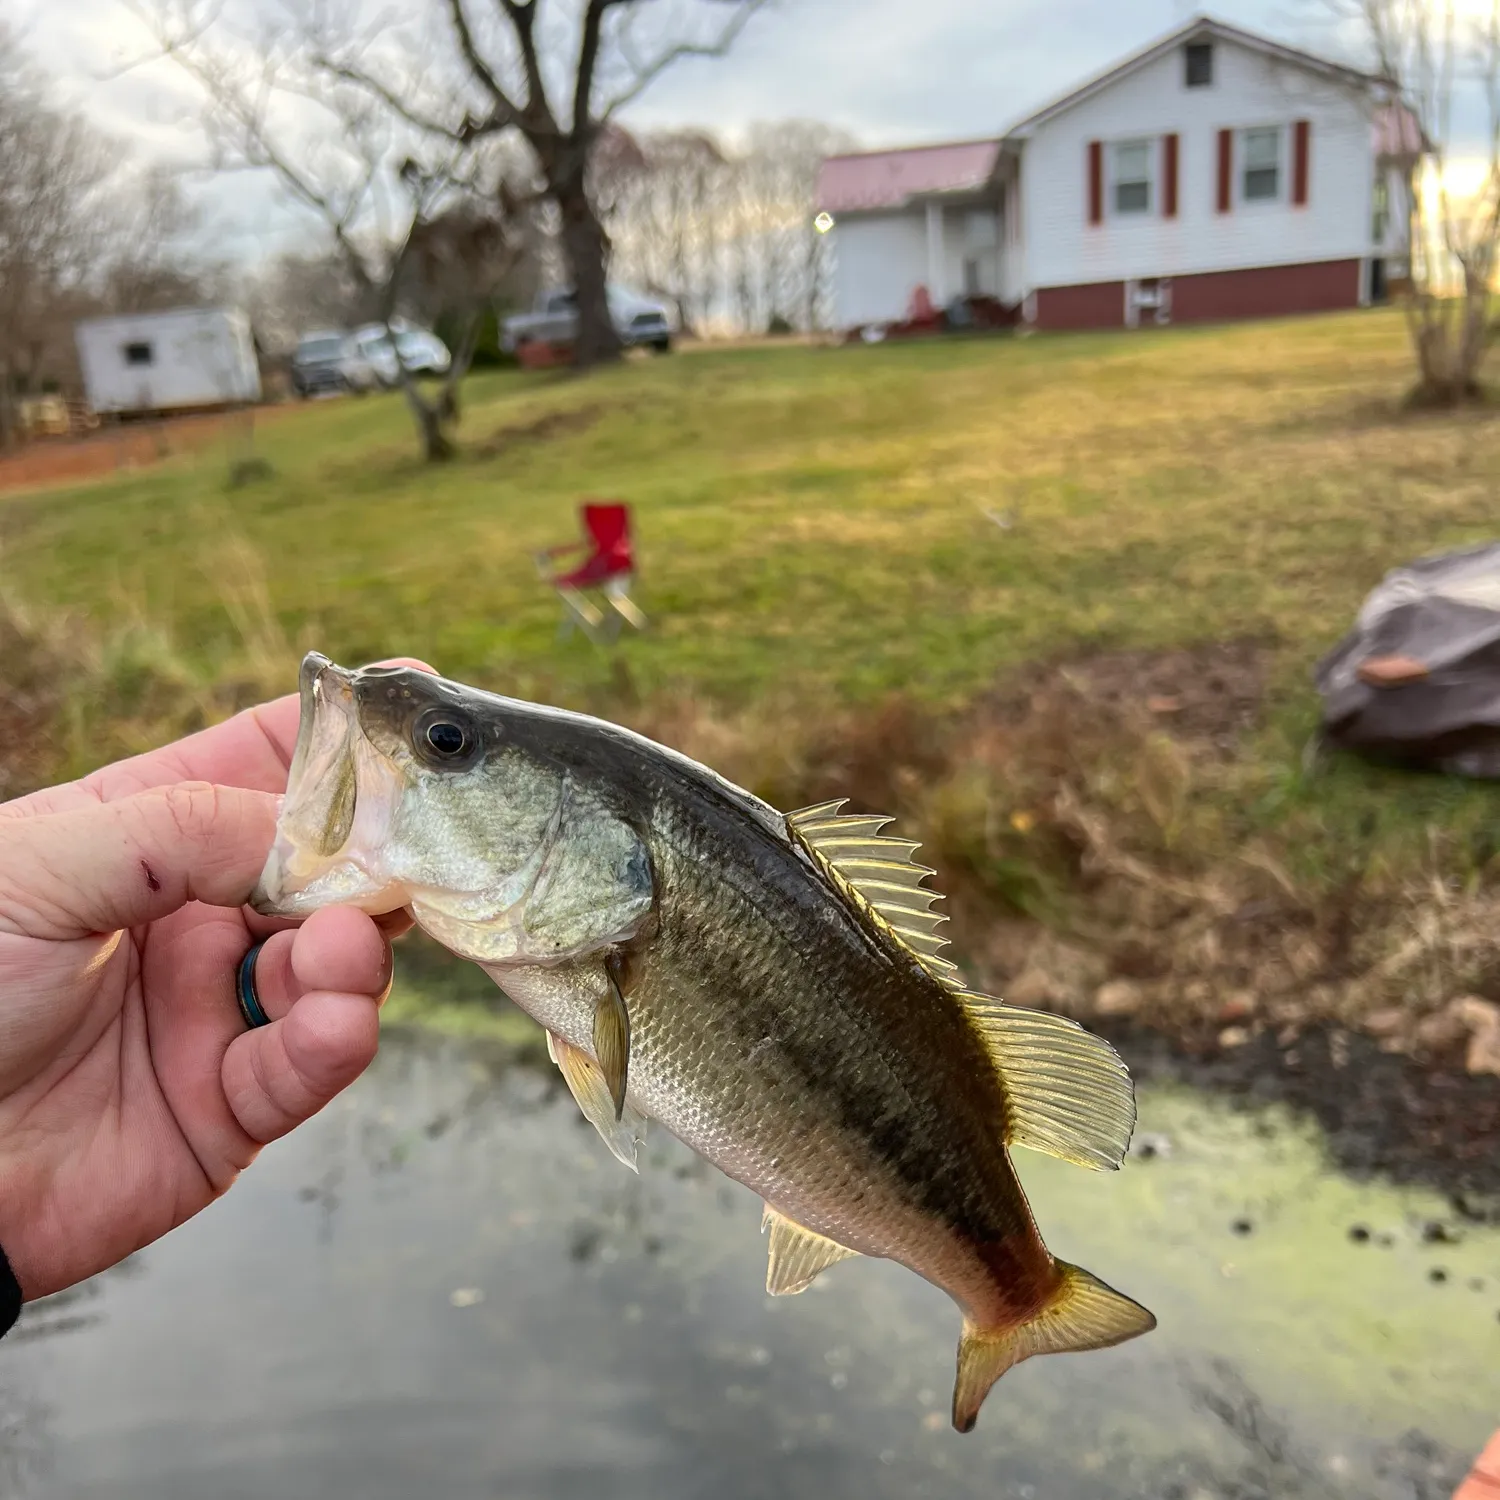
x,y
447,1285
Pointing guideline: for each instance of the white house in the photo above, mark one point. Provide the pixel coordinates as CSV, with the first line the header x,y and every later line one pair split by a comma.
x,y
1216,174
168,361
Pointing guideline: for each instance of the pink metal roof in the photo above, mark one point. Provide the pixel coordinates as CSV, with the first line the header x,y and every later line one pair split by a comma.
x,y
1398,133
887,179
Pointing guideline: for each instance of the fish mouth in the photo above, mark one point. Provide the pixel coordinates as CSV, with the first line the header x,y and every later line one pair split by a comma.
x,y
339,798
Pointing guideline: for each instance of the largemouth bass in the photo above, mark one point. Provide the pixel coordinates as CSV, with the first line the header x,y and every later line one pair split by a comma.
x,y
768,987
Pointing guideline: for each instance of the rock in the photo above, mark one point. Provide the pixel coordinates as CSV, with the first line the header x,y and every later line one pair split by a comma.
x,y
1443,1029
1120,997
1386,1023
1233,1036
1484,1037
1470,1020
1057,976
1239,1006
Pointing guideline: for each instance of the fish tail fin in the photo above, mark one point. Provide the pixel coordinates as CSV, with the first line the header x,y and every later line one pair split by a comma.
x,y
1082,1313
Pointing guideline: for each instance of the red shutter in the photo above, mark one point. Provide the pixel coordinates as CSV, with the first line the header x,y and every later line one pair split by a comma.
x,y
1226,170
1096,182
1169,176
1302,134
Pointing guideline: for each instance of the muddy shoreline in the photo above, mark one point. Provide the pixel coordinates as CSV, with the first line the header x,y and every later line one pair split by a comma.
x,y
1382,1114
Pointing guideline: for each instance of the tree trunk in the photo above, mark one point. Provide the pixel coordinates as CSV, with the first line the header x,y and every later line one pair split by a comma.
x,y
437,448
586,248
462,357
7,408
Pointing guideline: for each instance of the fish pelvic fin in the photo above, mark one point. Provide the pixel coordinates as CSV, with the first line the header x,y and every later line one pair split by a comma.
x,y
1068,1093
612,1039
622,1129
797,1254
1081,1314
879,878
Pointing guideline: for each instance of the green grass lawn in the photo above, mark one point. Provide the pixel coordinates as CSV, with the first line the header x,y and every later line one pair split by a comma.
x,y
813,539
809,519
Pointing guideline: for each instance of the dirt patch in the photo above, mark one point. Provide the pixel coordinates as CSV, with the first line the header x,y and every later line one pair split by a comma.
x,y
1210,693
541,429
116,449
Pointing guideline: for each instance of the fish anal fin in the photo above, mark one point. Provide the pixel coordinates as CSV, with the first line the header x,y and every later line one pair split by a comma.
x,y
1081,1314
622,1132
797,1255
612,1040
879,878
1068,1092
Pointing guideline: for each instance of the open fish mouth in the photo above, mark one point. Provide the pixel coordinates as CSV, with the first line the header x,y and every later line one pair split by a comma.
x,y
339,800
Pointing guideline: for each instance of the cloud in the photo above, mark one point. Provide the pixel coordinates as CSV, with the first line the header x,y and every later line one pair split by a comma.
x,y
889,71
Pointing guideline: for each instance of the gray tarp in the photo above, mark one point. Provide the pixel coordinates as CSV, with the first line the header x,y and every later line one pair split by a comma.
x,y
1418,678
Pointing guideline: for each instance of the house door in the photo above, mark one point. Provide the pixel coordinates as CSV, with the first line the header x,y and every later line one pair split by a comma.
x,y
1379,289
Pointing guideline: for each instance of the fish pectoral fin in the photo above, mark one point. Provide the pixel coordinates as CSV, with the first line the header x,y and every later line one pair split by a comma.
x,y
1069,1093
612,1040
1081,1314
621,1131
797,1254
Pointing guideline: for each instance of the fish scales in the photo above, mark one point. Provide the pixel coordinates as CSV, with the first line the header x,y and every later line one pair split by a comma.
x,y
702,960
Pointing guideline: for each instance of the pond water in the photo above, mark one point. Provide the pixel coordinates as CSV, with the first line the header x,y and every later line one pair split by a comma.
x,y
446,1286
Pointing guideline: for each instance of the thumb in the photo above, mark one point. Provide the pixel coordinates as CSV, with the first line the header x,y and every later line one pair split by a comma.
x,y
125,863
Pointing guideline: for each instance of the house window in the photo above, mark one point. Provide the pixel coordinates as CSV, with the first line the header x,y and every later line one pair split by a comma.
x,y
1382,208
1198,61
1132,177
139,354
1260,165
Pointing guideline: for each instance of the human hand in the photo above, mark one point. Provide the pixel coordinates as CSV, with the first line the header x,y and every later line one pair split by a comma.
x,y
131,1092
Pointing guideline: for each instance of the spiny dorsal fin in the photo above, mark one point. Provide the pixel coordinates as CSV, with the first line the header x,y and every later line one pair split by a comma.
x,y
623,1130
797,1254
879,877
1068,1091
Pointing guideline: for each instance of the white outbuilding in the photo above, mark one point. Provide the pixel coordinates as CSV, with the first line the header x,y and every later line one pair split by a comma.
x,y
184,359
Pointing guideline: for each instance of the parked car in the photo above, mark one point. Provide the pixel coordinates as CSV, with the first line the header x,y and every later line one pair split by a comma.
x,y
639,321
327,362
421,351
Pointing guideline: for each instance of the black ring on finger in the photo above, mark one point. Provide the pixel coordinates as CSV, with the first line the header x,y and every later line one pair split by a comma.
x,y
250,1007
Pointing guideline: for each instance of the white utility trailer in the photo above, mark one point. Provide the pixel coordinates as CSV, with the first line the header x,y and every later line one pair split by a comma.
x,y
188,358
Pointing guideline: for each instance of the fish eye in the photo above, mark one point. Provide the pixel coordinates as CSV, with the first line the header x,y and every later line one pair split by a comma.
x,y
443,737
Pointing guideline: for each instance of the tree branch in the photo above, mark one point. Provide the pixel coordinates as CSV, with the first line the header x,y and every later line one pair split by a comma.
x,y
648,72
588,61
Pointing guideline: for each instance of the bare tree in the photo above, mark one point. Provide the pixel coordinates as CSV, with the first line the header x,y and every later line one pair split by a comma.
x,y
53,171
1432,50
555,72
147,261
669,220
396,205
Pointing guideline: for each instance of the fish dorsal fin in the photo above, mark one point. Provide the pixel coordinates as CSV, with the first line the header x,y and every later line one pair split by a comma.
x,y
878,876
1067,1091
797,1254
622,1129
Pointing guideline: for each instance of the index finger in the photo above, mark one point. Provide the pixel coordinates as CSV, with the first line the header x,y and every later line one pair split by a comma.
x,y
252,750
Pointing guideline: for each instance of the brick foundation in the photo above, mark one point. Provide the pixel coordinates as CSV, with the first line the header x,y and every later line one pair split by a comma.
x,y
1218,296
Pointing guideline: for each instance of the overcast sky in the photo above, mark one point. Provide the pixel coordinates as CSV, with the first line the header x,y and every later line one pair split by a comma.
x,y
892,71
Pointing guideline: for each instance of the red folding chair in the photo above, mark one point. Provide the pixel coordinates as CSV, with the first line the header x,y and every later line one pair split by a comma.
x,y
609,571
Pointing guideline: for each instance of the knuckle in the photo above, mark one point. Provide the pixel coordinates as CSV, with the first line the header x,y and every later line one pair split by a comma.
x,y
193,808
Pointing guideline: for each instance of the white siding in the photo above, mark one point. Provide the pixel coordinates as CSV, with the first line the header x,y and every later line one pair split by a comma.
x,y
1249,89
197,358
880,260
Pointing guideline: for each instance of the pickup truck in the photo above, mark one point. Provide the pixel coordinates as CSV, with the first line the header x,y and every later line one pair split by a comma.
x,y
554,320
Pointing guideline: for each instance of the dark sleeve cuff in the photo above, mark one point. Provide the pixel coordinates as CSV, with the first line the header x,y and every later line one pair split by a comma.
x,y
10,1296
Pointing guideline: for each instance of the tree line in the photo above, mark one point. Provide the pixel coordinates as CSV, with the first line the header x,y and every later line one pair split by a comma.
x,y
85,228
